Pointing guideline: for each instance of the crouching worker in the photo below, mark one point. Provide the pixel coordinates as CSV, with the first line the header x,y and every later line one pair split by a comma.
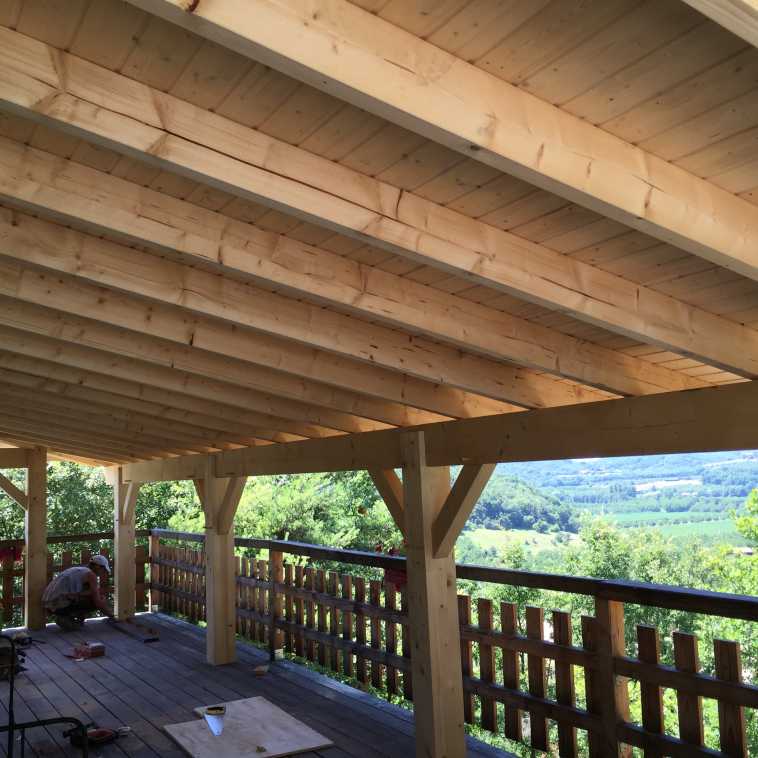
x,y
77,592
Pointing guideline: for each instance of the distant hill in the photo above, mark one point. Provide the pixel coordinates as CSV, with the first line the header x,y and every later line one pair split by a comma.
x,y
700,482
508,502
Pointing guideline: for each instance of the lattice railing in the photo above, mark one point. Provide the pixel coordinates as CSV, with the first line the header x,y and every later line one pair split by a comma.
x,y
555,681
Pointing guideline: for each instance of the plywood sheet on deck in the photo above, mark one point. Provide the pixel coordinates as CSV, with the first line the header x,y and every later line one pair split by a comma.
x,y
249,724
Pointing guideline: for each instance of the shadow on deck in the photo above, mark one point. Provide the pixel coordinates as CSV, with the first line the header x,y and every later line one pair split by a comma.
x,y
147,686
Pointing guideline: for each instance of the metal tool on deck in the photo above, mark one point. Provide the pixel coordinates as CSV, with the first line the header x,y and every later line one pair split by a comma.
x,y
214,716
10,662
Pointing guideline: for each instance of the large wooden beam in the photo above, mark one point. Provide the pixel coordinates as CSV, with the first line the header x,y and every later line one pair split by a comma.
x,y
125,549
196,143
220,498
432,610
69,386
704,420
98,201
35,536
45,358
346,51
105,408
204,293
145,367
269,364
13,457
739,16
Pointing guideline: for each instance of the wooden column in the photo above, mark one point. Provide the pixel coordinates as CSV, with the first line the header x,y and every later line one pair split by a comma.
x,y
432,607
125,553
35,529
220,498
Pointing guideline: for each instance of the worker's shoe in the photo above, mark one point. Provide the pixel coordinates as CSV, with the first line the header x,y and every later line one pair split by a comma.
x,y
69,623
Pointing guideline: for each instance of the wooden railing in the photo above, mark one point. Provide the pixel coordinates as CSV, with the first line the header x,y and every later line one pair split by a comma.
x,y
67,551
569,693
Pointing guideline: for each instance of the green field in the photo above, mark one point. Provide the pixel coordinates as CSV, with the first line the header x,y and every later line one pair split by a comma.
x,y
641,518
710,532
500,538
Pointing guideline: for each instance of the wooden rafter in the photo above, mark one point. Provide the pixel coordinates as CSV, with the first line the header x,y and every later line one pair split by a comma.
x,y
186,139
73,397
33,179
111,418
739,16
359,57
711,419
206,413
100,262
256,408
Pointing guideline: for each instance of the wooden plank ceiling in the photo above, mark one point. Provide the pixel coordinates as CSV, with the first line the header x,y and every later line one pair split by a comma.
x,y
200,253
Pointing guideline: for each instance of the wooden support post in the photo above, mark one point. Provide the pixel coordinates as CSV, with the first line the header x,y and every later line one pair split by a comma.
x,y
125,550
220,498
433,610
35,527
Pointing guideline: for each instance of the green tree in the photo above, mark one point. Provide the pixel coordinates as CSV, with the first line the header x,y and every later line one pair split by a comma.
x,y
747,522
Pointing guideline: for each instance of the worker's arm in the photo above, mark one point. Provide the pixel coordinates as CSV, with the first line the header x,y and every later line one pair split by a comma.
x,y
98,598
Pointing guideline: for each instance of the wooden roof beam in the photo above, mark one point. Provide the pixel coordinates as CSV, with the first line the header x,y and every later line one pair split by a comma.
x,y
13,457
64,439
27,418
346,51
738,16
60,454
28,336
22,395
114,111
702,420
205,349
52,185
122,406
202,292
38,359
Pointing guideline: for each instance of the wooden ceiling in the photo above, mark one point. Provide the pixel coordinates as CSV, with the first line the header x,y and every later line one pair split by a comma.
x,y
223,256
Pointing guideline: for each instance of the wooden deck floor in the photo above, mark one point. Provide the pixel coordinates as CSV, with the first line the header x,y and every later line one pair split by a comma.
x,y
147,686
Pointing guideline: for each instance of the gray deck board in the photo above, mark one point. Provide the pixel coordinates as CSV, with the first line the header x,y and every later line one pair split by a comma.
x,y
145,686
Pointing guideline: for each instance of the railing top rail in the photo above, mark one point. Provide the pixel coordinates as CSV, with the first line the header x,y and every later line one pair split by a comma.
x,y
57,539
660,596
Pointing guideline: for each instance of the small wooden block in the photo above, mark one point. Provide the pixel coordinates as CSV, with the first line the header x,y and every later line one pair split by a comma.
x,y
253,728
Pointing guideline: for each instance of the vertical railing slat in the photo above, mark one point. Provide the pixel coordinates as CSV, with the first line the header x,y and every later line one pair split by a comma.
x,y
731,717
592,684
651,695
347,626
406,646
390,636
486,664
464,619
299,615
690,707
360,630
511,670
334,621
375,590
535,665
564,683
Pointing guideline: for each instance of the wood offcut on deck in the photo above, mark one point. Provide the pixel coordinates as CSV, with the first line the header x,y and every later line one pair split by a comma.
x,y
147,686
